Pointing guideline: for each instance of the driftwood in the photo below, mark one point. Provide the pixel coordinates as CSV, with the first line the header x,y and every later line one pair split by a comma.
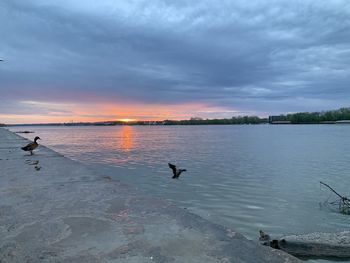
x,y
343,203
315,245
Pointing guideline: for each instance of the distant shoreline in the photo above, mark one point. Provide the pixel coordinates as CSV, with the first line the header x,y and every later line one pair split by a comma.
x,y
340,116
198,124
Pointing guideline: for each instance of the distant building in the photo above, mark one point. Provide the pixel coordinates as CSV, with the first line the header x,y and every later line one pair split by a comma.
x,y
343,122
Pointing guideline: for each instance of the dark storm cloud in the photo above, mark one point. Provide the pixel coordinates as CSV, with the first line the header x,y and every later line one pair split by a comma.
x,y
250,55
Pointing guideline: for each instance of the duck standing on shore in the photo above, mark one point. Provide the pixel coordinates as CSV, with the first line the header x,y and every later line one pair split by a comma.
x,y
31,146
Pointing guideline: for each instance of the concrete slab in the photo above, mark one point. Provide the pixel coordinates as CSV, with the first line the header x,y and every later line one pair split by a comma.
x,y
64,212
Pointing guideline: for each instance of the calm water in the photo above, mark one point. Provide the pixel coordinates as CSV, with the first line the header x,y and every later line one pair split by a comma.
x,y
245,177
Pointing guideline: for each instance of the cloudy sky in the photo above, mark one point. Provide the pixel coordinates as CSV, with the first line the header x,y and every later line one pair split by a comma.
x,y
87,60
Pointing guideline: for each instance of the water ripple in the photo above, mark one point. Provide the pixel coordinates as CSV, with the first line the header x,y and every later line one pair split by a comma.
x,y
245,177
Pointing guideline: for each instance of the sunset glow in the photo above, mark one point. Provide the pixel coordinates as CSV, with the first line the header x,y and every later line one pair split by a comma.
x,y
80,112
127,120
87,61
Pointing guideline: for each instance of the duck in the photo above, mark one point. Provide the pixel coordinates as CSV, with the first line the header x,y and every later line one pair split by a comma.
x,y
176,172
31,146
264,238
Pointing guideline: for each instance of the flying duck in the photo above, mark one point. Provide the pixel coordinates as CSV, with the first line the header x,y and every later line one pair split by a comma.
x,y
31,146
176,172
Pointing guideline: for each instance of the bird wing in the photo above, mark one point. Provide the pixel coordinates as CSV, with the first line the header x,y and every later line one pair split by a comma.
x,y
29,147
172,167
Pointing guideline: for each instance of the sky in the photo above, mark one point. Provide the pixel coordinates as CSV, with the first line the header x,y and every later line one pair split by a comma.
x,y
87,60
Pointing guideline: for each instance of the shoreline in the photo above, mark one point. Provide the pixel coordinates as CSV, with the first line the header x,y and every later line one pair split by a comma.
x,y
169,125
65,212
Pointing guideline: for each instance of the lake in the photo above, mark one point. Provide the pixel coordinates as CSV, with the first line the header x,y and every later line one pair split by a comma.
x,y
247,177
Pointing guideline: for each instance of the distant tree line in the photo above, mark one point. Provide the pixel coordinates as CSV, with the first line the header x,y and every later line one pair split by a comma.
x,y
233,120
295,118
315,117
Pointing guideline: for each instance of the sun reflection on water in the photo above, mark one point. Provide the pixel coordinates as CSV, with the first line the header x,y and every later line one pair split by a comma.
x,y
126,136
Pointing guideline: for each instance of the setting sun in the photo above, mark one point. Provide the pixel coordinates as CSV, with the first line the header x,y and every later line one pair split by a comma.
x,y
126,120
